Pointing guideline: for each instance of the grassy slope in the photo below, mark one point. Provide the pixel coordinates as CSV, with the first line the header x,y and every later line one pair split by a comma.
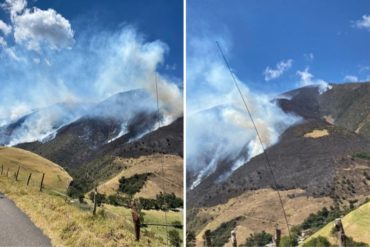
x,y
356,225
70,223
56,178
261,210
173,181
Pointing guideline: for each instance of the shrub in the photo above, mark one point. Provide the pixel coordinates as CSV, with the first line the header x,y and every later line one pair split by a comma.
x,y
177,224
117,200
100,198
221,235
258,239
174,238
169,201
133,184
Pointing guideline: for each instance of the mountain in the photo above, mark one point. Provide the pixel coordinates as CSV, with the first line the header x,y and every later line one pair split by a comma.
x,y
322,160
124,125
41,123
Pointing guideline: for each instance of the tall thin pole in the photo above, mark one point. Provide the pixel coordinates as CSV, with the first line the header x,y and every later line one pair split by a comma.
x,y
259,138
163,181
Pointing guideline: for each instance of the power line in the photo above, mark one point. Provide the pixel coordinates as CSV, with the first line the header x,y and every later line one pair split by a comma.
x,y
163,180
258,136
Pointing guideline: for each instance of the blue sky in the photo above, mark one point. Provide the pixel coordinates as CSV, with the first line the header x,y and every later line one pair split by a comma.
x,y
318,38
57,51
160,19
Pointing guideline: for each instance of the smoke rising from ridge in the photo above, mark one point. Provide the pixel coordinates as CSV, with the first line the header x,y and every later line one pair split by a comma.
x,y
218,126
97,66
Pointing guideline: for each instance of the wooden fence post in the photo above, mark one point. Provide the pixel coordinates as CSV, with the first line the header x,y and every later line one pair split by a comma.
x,y
29,178
95,199
277,237
42,182
17,174
234,243
2,169
136,220
7,171
341,235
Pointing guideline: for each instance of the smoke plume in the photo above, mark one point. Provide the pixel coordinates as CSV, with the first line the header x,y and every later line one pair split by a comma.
x,y
72,68
218,126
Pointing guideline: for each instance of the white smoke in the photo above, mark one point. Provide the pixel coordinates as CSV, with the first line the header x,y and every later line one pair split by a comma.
x,y
100,64
218,125
307,79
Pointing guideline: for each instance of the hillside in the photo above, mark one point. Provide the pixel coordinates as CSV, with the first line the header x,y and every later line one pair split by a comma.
x,y
356,225
325,157
298,161
171,182
90,146
345,105
56,178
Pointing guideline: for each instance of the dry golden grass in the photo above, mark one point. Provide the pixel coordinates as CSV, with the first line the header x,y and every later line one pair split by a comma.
x,y
69,223
56,177
317,133
262,211
72,224
172,181
356,224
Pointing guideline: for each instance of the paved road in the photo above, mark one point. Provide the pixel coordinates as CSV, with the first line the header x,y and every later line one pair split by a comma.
x,y
16,229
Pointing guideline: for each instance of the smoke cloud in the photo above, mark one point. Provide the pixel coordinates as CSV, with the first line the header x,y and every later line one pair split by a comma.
x,y
218,126
78,69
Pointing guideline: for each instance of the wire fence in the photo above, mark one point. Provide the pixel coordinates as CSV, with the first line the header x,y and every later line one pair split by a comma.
x,y
31,178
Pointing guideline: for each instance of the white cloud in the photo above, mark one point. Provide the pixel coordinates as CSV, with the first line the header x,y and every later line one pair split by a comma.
x,y
5,28
281,67
35,27
351,78
14,6
307,79
364,23
2,42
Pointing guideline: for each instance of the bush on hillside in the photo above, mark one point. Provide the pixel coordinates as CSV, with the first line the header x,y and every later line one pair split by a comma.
x,y
174,238
134,184
258,239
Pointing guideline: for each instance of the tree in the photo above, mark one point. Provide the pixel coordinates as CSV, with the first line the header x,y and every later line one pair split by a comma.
x,y
174,238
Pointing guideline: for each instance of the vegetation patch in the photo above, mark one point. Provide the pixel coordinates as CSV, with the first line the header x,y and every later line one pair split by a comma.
x,y
362,155
134,184
221,235
258,239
